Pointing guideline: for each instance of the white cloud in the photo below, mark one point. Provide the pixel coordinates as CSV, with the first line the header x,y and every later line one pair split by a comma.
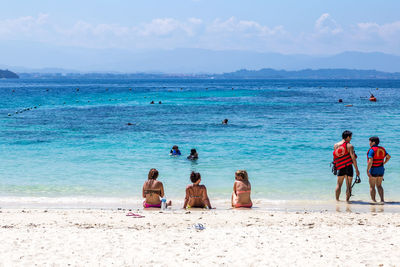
x,y
27,25
159,27
386,31
325,24
233,25
327,35
195,21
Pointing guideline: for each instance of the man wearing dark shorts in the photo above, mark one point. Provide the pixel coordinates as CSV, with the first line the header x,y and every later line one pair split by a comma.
x,y
377,157
344,158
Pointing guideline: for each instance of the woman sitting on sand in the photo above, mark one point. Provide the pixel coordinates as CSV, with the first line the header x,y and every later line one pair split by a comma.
x,y
241,190
153,191
196,194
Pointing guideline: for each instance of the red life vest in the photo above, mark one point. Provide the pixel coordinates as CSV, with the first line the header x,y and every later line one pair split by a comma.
x,y
379,155
341,156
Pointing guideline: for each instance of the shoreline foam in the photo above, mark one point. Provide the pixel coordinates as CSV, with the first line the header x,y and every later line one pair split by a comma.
x,y
219,204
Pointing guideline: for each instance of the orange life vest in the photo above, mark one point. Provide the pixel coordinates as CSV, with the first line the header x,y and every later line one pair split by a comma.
x,y
379,155
341,157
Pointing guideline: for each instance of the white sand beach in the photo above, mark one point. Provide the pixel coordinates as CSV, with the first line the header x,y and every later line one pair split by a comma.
x,y
95,237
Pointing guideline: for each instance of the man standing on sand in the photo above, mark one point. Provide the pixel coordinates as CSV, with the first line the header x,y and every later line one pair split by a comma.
x,y
377,157
344,158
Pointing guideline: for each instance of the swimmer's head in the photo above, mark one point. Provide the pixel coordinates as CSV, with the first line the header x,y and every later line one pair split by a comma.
x,y
225,121
195,176
241,175
175,147
193,151
153,174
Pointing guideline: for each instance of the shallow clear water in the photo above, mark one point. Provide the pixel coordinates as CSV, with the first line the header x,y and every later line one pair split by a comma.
x,y
78,143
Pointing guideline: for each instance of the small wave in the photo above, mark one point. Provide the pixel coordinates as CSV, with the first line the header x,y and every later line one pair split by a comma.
x,y
30,142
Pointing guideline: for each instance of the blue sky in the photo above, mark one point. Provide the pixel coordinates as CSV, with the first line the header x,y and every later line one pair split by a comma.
x,y
308,27
322,27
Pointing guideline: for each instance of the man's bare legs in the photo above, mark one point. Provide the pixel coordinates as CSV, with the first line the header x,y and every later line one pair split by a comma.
x,y
377,181
349,179
338,190
339,186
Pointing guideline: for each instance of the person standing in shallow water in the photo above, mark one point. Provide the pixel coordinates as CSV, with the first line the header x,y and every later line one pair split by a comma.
x,y
175,151
193,155
344,158
241,190
377,157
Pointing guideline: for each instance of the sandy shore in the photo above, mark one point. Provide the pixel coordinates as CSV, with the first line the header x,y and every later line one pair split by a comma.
x,y
79,237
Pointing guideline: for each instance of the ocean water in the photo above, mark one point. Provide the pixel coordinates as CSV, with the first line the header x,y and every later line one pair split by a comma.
x,y
76,143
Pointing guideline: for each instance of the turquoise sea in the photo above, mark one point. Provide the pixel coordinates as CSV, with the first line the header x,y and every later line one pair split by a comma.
x,y
74,141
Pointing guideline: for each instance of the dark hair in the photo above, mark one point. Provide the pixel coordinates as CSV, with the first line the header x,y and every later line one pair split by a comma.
x,y
193,151
194,177
346,134
374,139
153,174
175,147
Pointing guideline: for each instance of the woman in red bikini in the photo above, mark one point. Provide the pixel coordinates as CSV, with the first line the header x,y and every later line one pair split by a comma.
x,y
153,191
241,190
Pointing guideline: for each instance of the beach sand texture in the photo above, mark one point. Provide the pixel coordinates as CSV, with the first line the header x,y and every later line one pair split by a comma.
x,y
95,237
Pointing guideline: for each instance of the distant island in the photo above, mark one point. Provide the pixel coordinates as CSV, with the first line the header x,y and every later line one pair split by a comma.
x,y
240,74
6,74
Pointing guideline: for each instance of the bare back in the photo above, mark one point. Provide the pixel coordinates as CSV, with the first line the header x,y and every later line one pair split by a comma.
x,y
196,196
152,191
242,191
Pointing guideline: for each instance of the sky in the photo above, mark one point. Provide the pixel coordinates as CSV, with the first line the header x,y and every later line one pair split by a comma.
x,y
311,27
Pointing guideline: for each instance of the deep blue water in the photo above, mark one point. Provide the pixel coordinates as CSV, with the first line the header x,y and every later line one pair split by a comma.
x,y
78,143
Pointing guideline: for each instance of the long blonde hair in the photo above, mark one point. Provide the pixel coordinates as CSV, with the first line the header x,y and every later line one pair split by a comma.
x,y
242,174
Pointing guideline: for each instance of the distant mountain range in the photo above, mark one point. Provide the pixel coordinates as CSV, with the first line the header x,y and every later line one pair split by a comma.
x,y
37,57
240,74
6,74
311,74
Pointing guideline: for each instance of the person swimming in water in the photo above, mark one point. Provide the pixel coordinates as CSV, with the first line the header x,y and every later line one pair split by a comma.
x,y
241,190
193,154
196,194
153,191
225,121
175,151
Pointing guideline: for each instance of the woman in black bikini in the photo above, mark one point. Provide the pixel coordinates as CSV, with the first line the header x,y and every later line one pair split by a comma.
x,y
196,194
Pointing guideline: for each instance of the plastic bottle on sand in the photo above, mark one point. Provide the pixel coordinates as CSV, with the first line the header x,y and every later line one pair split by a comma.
x,y
163,204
